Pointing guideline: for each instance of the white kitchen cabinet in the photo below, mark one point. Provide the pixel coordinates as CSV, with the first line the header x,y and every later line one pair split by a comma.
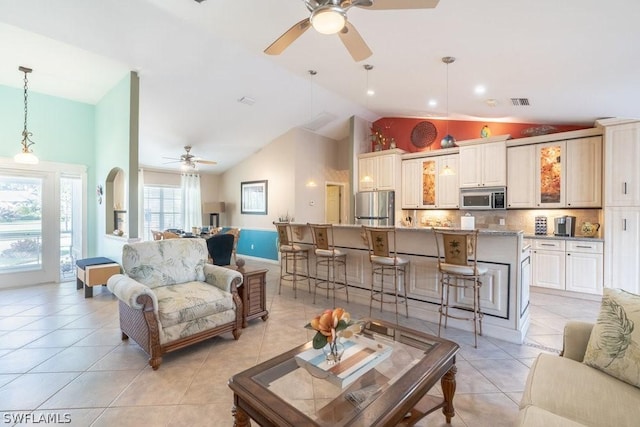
x,y
367,173
556,174
584,267
425,187
521,173
584,172
622,157
548,259
411,183
571,265
483,165
379,171
448,195
622,248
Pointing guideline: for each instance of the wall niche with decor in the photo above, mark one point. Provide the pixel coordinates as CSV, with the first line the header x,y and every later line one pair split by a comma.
x,y
114,203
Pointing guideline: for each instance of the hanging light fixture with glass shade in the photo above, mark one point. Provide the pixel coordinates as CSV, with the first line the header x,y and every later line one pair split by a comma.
x,y
448,141
26,155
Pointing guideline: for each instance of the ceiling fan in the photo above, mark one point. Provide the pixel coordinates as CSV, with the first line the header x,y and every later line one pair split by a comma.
x,y
330,17
188,160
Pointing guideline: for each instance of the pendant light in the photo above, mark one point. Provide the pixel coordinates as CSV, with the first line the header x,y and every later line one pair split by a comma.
x,y
448,141
312,74
26,155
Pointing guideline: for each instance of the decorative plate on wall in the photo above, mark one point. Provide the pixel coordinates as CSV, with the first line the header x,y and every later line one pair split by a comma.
x,y
423,134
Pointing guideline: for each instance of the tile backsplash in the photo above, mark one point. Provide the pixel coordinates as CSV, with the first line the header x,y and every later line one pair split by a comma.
x,y
513,219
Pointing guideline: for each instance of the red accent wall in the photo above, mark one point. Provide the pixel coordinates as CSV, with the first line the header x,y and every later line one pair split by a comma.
x,y
399,128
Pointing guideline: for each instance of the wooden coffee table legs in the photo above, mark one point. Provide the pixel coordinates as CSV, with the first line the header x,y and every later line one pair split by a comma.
x,y
448,383
240,418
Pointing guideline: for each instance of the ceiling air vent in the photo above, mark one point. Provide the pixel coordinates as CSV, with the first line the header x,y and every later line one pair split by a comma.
x,y
520,102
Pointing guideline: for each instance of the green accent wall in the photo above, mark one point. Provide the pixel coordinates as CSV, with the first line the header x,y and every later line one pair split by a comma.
x,y
117,147
63,131
100,137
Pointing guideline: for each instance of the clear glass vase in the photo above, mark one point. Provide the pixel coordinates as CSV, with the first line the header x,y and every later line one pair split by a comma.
x,y
333,351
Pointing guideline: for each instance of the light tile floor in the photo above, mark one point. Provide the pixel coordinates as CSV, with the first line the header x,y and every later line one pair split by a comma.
x,y
61,356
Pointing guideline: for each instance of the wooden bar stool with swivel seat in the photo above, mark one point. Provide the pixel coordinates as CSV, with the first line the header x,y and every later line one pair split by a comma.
x,y
328,259
385,263
459,271
293,254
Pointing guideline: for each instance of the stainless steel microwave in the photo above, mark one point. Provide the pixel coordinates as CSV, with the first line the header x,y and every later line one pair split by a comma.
x,y
487,198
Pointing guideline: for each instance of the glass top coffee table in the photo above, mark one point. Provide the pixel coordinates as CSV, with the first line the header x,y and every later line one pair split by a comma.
x,y
279,392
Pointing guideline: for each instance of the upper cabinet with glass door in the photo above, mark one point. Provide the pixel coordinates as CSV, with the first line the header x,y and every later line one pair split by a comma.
x,y
550,183
430,182
556,174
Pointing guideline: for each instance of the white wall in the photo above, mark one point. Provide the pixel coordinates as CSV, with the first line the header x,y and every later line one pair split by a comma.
x,y
289,163
317,161
276,164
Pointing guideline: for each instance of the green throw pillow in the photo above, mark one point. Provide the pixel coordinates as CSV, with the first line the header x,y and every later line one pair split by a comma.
x,y
614,344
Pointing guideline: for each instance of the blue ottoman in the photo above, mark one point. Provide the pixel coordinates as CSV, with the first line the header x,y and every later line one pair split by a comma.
x,y
93,272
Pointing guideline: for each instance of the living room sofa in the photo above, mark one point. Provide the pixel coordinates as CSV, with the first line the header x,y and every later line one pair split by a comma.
x,y
564,391
170,297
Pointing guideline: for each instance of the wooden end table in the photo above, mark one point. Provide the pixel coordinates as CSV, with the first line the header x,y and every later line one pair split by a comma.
x,y
253,294
279,392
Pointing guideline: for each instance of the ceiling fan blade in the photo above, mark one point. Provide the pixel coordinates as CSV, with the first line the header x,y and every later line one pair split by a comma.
x,y
354,43
283,42
397,4
205,162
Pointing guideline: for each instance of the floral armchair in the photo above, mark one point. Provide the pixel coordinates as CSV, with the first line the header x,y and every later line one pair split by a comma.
x,y
171,298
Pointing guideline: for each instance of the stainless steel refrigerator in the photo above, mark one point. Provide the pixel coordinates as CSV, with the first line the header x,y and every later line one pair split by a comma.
x,y
375,208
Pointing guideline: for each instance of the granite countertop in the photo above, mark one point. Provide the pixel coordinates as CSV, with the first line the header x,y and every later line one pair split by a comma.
x,y
488,231
552,237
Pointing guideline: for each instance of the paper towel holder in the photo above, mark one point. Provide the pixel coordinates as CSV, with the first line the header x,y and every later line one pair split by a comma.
x,y
467,222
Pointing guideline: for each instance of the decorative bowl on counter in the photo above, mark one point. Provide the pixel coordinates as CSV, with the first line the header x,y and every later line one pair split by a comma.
x,y
590,229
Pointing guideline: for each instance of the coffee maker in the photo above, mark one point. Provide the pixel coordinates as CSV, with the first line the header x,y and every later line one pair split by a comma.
x,y
565,226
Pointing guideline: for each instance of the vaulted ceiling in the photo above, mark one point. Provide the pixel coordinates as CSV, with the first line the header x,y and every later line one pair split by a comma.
x,y
574,60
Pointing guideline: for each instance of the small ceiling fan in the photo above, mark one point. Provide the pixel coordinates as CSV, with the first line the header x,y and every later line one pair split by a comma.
x,y
330,17
188,160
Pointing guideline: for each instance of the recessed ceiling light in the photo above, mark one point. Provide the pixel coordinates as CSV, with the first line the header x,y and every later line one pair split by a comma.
x,y
480,90
371,92
433,103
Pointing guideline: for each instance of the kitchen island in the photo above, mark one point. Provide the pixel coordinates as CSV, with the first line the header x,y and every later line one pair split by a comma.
x,y
505,288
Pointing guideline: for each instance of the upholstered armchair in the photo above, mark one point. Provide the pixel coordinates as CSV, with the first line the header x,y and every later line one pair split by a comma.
x,y
170,297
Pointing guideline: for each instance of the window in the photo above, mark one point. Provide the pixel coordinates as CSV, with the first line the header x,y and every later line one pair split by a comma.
x,y
161,209
20,223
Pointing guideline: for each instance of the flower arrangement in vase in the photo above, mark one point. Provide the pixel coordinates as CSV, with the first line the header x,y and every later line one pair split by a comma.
x,y
329,327
377,139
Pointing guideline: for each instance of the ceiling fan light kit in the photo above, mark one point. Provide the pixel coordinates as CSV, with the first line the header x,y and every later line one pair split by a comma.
x,y
188,161
330,17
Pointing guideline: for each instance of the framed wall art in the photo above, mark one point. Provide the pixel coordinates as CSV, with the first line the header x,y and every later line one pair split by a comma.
x,y
253,197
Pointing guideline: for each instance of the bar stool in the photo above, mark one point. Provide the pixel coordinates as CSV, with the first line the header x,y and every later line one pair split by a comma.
x,y
459,270
385,263
327,256
291,253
